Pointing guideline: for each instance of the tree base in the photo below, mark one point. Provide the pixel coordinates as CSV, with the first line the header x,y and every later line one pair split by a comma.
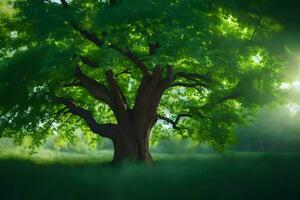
x,y
131,151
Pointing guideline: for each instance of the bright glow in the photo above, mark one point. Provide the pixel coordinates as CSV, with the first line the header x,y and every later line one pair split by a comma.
x,y
13,34
6,9
293,108
285,86
58,1
231,20
257,59
230,25
294,85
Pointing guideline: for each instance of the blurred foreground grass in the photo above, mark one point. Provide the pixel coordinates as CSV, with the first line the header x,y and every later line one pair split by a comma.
x,y
53,175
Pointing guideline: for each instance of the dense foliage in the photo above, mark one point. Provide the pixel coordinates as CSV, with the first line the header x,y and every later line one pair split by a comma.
x,y
225,63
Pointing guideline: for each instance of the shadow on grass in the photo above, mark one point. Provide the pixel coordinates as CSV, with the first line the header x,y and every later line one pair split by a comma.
x,y
203,177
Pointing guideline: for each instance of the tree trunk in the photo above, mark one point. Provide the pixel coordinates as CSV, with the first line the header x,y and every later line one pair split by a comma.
x,y
131,134
131,146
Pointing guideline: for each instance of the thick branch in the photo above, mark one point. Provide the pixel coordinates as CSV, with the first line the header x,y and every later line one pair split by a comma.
x,y
149,95
232,95
96,89
89,62
100,42
147,91
72,84
126,71
167,82
194,77
133,58
170,73
105,130
92,37
88,35
119,99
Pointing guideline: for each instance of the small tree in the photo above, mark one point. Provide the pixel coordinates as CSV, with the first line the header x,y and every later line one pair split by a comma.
x,y
122,66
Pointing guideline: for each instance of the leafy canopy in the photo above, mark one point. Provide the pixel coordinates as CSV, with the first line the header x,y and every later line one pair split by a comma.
x,y
229,47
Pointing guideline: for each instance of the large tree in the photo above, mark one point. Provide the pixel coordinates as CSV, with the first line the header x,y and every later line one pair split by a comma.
x,y
119,68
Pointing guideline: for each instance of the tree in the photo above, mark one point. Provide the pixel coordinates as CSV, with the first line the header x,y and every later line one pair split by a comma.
x,y
122,67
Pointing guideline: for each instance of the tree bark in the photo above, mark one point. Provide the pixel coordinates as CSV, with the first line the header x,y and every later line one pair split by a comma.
x,y
131,145
131,134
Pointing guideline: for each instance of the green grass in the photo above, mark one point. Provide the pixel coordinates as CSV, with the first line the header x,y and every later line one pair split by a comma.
x,y
186,176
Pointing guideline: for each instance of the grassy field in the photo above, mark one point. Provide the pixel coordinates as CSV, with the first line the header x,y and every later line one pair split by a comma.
x,y
185,176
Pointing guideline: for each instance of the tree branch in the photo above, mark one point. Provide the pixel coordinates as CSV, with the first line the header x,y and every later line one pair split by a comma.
x,y
58,115
194,77
167,82
92,37
118,97
89,62
170,73
176,121
105,130
227,97
147,91
100,42
96,89
256,28
126,71
190,85
72,84
133,58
